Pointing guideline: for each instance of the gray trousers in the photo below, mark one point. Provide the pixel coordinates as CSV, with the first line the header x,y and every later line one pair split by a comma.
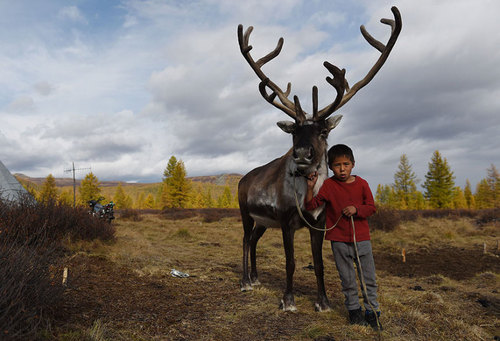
x,y
345,258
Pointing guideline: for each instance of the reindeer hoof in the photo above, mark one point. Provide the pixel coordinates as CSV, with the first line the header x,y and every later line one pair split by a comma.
x,y
322,307
255,282
287,307
246,287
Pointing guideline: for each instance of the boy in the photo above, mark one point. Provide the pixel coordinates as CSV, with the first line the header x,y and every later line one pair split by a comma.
x,y
347,196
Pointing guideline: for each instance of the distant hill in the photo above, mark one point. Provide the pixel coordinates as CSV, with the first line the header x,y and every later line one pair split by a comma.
x,y
219,180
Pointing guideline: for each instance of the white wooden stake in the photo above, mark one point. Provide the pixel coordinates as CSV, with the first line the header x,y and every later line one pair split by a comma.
x,y
65,276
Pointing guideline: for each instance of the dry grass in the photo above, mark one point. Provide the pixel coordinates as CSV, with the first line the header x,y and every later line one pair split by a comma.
x,y
433,307
438,232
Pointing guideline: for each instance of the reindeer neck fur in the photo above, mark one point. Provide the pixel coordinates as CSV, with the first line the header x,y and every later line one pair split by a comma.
x,y
296,181
268,191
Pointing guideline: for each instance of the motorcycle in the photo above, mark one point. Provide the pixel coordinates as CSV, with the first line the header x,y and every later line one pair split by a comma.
x,y
102,211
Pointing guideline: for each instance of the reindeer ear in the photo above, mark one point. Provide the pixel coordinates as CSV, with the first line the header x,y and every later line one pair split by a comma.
x,y
333,121
287,126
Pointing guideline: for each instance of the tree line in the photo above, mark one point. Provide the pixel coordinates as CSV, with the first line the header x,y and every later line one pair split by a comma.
x,y
439,189
177,191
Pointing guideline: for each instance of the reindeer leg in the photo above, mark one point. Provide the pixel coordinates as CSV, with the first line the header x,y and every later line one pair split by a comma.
x,y
248,224
322,303
257,232
288,301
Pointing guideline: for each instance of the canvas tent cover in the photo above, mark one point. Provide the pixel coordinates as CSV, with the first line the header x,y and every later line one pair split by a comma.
x,y
10,188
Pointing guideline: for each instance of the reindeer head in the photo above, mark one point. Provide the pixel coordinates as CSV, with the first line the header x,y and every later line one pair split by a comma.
x,y
310,132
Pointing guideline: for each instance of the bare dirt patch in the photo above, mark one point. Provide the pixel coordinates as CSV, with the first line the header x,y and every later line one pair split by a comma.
x,y
212,307
452,262
164,307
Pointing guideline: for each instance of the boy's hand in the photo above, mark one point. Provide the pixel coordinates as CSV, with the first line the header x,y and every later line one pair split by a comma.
x,y
311,180
349,211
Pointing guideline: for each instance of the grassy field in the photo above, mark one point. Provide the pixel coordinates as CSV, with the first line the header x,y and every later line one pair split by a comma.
x,y
446,290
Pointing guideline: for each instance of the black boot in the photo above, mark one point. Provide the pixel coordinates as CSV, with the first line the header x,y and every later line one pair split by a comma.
x,y
372,320
356,317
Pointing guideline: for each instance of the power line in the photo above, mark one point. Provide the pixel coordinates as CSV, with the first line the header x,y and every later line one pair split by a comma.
x,y
73,170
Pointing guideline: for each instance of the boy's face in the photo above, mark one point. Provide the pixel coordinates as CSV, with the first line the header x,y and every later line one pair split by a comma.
x,y
342,167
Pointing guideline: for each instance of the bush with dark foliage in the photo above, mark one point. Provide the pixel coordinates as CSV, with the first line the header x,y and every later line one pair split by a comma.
x,y
31,251
385,219
488,216
130,214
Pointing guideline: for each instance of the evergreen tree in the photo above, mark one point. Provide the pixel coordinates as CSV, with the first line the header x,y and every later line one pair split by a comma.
x,y
165,200
459,198
139,202
48,193
225,199
160,198
483,195
439,182
209,201
30,188
469,198
405,182
178,186
197,199
236,201
89,189
169,170
493,181
149,202
122,200
385,196
488,190
66,197
420,203
381,196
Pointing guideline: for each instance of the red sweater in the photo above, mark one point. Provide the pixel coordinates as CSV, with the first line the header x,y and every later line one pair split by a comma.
x,y
337,195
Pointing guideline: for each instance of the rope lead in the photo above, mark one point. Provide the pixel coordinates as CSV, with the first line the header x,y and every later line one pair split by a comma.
x,y
362,279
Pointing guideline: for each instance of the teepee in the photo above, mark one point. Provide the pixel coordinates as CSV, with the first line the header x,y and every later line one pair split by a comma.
x,y
10,188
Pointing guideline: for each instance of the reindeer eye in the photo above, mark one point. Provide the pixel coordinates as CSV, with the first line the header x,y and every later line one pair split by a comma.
x,y
324,133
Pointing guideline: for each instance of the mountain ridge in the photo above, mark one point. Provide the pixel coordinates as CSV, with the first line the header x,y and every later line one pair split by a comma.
x,y
220,179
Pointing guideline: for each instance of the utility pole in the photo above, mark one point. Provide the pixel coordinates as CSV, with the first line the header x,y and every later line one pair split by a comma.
x,y
73,169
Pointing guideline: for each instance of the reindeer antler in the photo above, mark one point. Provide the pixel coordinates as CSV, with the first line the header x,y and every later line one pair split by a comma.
x,y
286,105
344,93
385,50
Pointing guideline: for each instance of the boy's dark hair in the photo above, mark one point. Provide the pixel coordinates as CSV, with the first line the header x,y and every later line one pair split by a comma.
x,y
339,150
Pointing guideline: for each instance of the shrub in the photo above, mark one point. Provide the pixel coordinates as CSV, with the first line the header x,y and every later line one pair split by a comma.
x,y
31,250
130,214
488,216
385,219
28,289
409,215
51,221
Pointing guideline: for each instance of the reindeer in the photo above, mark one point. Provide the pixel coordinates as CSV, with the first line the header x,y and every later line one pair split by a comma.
x,y
272,195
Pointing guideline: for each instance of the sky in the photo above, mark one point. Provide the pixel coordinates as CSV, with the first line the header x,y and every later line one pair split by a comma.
x,y
120,86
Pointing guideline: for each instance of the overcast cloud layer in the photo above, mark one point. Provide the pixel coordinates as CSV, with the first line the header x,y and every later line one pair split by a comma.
x,y
120,86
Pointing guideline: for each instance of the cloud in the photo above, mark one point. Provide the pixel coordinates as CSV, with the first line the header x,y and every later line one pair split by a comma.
x,y
21,105
43,88
154,79
72,13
